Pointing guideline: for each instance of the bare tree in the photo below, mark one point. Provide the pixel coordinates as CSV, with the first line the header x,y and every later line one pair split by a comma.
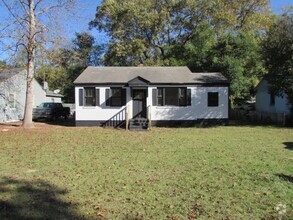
x,y
28,26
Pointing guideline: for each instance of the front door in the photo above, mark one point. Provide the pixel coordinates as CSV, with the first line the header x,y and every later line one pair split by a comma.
x,y
139,103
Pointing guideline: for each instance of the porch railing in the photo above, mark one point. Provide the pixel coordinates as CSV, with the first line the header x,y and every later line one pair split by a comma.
x,y
117,120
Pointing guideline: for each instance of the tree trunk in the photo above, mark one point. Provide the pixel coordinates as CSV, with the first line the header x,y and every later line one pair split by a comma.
x,y
28,112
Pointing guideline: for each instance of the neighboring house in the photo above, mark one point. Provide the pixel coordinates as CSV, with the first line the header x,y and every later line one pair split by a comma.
x,y
269,103
13,94
156,95
53,96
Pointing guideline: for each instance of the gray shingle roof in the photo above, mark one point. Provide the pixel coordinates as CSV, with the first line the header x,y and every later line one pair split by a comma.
x,y
155,75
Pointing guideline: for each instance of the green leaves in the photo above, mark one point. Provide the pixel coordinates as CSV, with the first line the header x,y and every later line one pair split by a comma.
x,y
238,57
205,35
146,31
278,50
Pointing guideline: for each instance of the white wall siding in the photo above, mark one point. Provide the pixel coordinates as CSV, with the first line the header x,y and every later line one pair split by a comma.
x,y
198,110
97,113
15,85
39,94
263,100
199,107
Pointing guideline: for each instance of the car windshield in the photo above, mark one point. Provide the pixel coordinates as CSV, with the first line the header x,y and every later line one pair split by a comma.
x,y
46,105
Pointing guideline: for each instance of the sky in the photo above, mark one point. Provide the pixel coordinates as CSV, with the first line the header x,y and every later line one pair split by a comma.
x,y
78,20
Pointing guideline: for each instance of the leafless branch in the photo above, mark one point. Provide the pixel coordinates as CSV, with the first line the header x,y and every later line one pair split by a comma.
x,y
13,15
36,4
24,5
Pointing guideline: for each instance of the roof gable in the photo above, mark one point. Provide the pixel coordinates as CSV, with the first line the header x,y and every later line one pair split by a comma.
x,y
138,81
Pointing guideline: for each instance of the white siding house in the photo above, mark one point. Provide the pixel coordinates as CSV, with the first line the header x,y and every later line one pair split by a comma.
x,y
268,103
13,94
156,95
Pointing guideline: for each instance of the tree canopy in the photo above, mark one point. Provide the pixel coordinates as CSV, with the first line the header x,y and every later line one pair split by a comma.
x,y
205,35
144,32
278,54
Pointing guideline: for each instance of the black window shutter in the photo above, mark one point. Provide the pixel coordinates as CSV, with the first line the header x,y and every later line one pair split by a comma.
x,y
155,97
123,98
97,97
80,97
108,97
188,97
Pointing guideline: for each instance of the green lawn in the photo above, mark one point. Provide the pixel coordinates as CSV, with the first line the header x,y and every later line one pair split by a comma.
x,y
184,173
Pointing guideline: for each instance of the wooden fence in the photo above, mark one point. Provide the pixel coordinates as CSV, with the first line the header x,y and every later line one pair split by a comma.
x,y
261,117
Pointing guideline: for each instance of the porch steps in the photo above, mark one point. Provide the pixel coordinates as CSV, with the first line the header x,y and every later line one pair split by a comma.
x,y
138,124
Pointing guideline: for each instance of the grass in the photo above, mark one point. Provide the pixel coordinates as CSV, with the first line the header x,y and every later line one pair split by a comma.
x,y
183,173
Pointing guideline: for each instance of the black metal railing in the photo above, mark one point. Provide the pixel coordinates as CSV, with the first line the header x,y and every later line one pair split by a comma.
x,y
117,120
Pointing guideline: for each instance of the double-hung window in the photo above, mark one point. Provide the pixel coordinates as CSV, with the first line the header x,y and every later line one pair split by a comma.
x,y
116,99
116,96
172,96
89,96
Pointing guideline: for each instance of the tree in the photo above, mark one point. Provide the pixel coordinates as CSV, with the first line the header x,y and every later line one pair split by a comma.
x,y
146,32
63,65
4,65
26,28
238,57
278,54
86,51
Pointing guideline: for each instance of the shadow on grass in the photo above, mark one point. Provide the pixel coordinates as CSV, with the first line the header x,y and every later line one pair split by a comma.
x,y
288,145
285,177
37,199
11,124
59,122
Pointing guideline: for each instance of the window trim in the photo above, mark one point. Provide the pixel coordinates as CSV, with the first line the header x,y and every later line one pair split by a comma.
x,y
161,96
93,97
213,101
109,96
111,99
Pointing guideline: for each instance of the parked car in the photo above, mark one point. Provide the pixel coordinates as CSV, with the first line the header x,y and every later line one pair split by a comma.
x,y
50,111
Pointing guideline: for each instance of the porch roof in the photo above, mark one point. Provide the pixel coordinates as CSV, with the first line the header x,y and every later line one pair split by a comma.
x,y
154,75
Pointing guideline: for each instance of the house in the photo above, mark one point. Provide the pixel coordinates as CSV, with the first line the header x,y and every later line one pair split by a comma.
x,y
268,103
13,94
110,96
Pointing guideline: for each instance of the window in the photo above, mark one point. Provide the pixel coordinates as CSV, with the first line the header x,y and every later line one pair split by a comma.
x,y
182,97
272,99
115,96
213,99
89,96
172,96
11,100
116,99
160,96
